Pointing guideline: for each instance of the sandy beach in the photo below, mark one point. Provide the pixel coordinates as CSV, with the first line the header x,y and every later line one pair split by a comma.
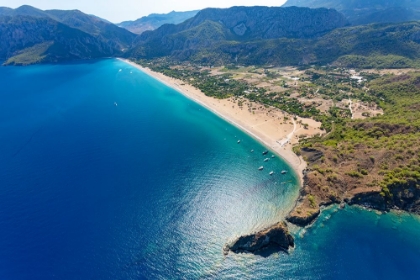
x,y
272,127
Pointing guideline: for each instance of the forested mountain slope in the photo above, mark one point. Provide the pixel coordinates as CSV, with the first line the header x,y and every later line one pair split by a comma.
x,y
30,35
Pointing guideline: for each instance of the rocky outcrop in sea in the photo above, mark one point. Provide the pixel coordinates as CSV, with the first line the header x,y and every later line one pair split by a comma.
x,y
275,237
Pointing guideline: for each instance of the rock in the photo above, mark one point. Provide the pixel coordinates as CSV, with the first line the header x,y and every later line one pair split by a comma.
x,y
274,237
303,220
312,155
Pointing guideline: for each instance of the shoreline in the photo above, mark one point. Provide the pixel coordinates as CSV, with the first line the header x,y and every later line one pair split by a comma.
x,y
279,142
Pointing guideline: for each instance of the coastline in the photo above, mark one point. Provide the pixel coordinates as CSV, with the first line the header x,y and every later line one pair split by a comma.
x,y
265,127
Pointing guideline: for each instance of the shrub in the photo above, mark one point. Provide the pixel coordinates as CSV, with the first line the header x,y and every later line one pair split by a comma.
x,y
312,202
364,171
354,174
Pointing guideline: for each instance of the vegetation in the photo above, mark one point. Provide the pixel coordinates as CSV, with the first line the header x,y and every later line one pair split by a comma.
x,y
32,55
211,43
317,82
376,62
312,201
29,35
382,152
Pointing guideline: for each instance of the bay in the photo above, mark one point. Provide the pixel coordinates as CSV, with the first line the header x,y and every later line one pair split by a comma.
x,y
107,173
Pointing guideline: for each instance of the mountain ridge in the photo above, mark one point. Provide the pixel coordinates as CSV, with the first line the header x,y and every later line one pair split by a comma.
x,y
20,33
236,24
30,35
364,12
118,37
154,21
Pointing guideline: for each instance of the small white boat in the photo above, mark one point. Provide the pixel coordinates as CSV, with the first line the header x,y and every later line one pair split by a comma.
x,y
265,152
283,172
115,104
272,156
120,70
272,172
261,168
252,151
239,141
267,159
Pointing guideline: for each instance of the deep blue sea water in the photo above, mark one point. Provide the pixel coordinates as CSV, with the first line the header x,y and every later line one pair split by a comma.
x,y
154,187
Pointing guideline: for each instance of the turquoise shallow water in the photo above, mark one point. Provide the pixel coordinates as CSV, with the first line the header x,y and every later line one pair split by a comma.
x,y
154,187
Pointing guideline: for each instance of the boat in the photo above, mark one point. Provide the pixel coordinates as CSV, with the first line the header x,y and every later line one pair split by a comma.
x,y
267,159
265,152
115,104
283,172
261,168
252,151
272,172
272,156
239,141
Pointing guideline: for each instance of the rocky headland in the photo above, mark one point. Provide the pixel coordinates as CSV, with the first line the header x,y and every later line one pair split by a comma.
x,y
275,237
344,187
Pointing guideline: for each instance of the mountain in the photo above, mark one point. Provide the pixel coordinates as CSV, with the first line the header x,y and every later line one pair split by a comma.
x,y
282,36
117,37
212,28
395,45
154,21
26,40
367,11
29,35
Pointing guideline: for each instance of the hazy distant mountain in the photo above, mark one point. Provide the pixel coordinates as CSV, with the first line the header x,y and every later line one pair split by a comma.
x,y
367,11
154,21
31,35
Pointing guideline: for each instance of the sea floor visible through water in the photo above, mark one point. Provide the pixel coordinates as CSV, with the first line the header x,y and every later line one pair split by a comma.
x,y
106,173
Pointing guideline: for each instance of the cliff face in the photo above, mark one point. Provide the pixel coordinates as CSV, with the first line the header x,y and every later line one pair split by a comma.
x,y
251,23
403,197
324,185
274,237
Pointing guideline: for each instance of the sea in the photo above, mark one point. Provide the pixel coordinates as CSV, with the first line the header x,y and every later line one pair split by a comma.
x,y
106,173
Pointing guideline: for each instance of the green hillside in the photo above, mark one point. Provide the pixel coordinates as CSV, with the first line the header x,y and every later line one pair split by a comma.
x,y
68,35
394,45
374,162
218,35
118,37
46,40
